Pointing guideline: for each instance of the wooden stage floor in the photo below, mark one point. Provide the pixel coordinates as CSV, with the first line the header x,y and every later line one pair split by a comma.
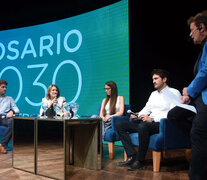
x,y
173,167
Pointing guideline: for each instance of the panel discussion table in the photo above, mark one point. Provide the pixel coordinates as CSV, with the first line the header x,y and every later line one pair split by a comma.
x,y
52,147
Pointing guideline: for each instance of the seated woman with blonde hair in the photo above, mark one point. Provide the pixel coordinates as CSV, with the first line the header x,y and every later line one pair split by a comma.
x,y
53,99
112,105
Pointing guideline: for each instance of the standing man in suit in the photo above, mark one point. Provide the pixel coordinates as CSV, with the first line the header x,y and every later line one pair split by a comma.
x,y
196,93
8,108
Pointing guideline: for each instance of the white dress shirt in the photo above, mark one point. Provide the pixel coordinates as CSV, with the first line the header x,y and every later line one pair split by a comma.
x,y
159,103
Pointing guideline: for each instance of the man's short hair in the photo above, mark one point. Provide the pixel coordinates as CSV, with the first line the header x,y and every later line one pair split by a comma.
x,y
3,82
161,72
198,19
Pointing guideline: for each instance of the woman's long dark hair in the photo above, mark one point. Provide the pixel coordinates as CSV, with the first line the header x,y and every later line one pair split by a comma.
x,y
112,98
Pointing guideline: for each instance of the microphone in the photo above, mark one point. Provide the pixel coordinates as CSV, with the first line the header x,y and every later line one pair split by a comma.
x,y
130,112
4,116
55,96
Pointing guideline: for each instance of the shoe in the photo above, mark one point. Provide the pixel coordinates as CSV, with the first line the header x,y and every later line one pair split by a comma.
x,y
135,165
2,149
129,161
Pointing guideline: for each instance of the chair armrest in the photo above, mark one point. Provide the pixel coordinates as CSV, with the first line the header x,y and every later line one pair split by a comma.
x,y
168,128
172,136
116,119
162,131
157,141
163,122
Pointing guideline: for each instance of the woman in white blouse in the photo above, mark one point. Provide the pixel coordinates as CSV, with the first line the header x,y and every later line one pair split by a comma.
x,y
112,105
52,99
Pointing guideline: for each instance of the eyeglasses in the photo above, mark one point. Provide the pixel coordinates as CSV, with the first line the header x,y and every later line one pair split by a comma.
x,y
106,89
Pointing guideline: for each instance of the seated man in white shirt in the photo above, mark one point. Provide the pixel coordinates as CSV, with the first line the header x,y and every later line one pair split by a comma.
x,y
147,121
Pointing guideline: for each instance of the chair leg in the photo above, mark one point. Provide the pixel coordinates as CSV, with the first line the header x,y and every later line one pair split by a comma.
x,y
125,156
111,150
156,156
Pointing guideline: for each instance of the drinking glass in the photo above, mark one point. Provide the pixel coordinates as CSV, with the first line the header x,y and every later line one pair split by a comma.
x,y
68,108
75,107
56,108
44,107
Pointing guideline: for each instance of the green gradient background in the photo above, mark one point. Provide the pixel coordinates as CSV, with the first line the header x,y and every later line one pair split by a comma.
x,y
103,56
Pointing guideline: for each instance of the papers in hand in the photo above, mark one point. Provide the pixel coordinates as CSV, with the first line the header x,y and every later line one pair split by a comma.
x,y
188,107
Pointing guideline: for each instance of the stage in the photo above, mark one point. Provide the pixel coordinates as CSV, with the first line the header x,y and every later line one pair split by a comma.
x,y
173,167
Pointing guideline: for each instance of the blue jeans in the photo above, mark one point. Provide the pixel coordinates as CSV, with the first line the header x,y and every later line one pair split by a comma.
x,y
8,134
105,126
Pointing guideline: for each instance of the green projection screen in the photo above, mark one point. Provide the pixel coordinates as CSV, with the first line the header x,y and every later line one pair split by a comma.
x,y
78,54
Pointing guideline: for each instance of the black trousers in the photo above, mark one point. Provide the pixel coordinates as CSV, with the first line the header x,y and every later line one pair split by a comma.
x,y
145,130
197,130
182,119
